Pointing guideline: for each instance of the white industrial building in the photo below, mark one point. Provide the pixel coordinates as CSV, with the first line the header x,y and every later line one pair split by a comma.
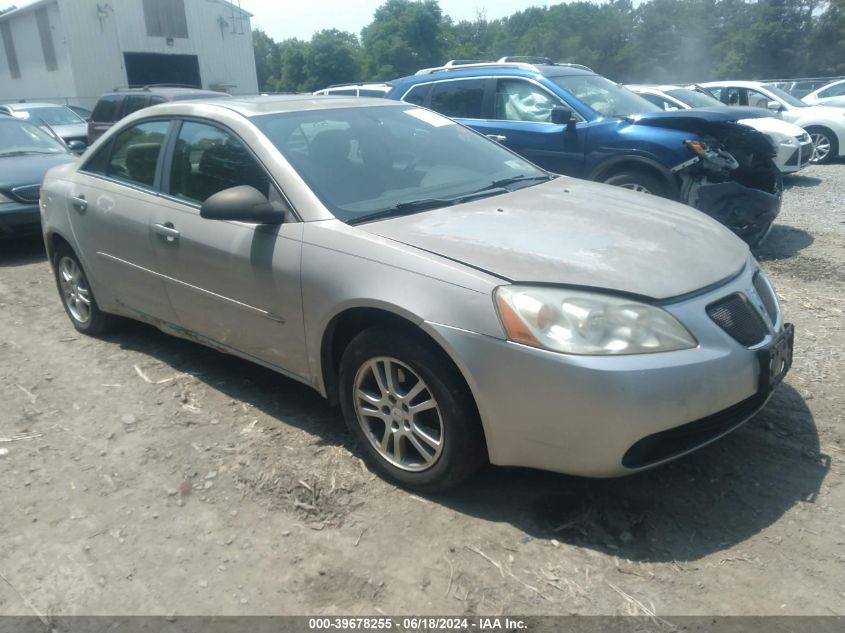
x,y
72,51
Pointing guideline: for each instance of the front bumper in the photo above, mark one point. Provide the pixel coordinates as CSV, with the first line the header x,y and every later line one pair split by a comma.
x,y
19,220
584,415
746,211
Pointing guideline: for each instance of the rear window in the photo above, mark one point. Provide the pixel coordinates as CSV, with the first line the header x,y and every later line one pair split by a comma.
x,y
104,110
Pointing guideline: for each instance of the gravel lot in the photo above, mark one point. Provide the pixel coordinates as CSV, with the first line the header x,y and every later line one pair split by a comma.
x,y
141,474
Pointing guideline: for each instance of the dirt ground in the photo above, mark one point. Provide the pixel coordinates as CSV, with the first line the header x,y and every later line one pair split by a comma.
x,y
141,474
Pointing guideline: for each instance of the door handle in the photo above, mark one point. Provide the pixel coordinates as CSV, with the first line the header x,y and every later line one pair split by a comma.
x,y
79,203
497,137
166,230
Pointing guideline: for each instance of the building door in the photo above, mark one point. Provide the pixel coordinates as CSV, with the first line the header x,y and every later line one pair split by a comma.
x,y
144,69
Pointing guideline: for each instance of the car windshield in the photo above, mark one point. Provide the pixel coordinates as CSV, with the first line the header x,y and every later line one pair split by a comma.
x,y
604,96
18,138
785,96
59,115
370,162
693,98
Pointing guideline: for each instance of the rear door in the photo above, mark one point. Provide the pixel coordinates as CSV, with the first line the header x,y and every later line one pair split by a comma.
x,y
104,115
110,208
233,283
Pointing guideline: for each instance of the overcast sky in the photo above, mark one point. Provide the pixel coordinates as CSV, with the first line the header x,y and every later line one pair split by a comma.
x,y
281,20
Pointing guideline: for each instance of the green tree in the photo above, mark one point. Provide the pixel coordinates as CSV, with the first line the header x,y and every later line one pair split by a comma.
x,y
404,36
266,59
332,57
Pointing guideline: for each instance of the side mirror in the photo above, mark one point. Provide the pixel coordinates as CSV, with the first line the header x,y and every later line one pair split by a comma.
x,y
561,116
76,146
243,204
774,106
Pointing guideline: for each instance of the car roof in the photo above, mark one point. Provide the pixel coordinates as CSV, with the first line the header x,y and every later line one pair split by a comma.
x,y
164,90
506,69
31,105
737,84
828,85
271,104
660,88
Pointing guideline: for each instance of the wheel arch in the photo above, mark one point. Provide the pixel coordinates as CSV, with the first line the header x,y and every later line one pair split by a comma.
x,y
349,322
617,164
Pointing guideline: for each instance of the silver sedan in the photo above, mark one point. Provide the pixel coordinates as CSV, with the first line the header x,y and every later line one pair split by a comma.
x,y
459,304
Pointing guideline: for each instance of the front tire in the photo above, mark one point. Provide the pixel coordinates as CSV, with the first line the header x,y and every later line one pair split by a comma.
x,y
825,146
638,180
409,411
76,295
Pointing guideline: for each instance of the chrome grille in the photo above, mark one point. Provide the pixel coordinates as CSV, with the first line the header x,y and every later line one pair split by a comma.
x,y
29,193
736,316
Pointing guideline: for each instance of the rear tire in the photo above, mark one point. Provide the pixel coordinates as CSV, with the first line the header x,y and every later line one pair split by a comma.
x,y
825,145
638,180
410,411
76,295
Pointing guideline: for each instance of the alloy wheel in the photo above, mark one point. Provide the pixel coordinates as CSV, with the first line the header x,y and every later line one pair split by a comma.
x,y
398,414
821,147
75,291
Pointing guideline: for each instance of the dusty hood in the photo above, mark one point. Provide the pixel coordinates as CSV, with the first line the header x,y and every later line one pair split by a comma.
x,y
576,232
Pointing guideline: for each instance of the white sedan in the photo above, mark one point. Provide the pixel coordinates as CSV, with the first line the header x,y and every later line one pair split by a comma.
x,y
794,145
824,124
832,94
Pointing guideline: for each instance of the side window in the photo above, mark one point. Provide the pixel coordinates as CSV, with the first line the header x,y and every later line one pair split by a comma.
x,y
99,163
518,100
135,153
462,98
659,101
134,103
418,94
834,91
208,159
732,96
157,100
758,99
104,110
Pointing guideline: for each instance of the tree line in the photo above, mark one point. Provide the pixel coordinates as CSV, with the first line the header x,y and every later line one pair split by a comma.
x,y
657,41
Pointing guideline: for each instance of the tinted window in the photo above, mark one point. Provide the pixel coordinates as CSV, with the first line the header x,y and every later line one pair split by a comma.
x,y
134,103
208,159
104,110
660,102
693,98
460,99
157,100
368,92
418,94
135,154
518,100
99,163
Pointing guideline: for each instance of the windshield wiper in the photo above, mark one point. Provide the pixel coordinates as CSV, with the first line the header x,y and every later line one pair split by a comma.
x,y
504,182
413,206
27,152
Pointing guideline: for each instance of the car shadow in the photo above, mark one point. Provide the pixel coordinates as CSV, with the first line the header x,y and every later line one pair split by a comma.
x,y
708,501
783,242
20,251
802,182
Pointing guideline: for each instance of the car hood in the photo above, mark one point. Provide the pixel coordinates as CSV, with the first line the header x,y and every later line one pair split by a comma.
x,y
71,131
18,171
579,233
698,118
770,125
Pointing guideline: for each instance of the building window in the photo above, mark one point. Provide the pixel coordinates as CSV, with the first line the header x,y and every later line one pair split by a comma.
x,y
166,18
46,35
9,46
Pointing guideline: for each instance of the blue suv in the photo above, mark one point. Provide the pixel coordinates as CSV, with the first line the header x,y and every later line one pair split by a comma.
x,y
569,120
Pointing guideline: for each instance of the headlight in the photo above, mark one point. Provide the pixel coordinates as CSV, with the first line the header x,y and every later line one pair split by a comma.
x,y
576,322
4,199
783,139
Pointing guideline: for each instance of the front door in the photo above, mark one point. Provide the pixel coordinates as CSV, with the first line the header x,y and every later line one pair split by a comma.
x,y
233,283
